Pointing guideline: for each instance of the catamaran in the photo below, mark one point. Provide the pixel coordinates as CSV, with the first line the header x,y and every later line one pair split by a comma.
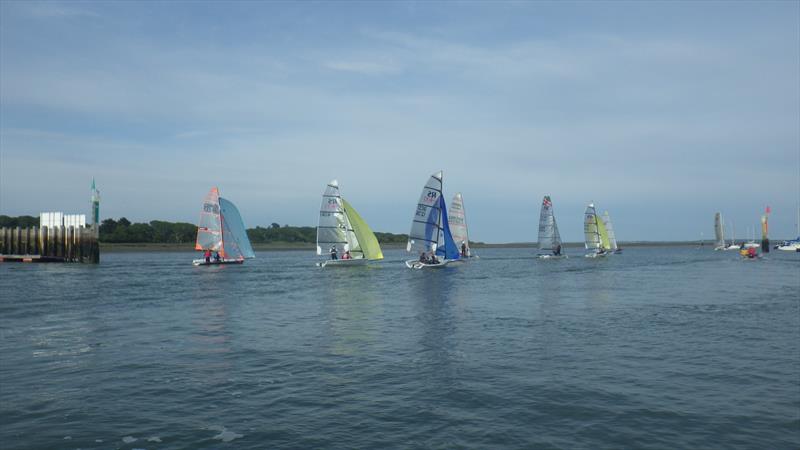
x,y
221,230
430,231
595,233
612,239
549,237
457,218
342,231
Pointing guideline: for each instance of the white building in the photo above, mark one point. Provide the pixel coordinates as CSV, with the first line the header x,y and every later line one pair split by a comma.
x,y
57,219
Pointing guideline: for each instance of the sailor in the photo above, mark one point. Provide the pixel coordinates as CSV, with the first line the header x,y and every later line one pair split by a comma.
x,y
433,259
333,252
207,255
422,258
557,250
347,255
216,257
463,249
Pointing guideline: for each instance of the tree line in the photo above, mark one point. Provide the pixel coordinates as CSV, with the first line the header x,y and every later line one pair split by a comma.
x,y
162,232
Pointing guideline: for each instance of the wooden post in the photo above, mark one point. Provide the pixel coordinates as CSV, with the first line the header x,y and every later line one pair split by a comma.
x,y
25,240
45,241
36,241
68,243
3,241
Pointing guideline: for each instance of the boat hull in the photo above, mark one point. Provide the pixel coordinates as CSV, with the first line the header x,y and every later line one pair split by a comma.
x,y
552,256
344,262
596,255
202,262
416,264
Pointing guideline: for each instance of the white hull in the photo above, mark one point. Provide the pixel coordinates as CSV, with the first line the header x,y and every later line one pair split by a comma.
x,y
344,262
596,255
752,245
416,264
552,256
202,262
790,248
733,247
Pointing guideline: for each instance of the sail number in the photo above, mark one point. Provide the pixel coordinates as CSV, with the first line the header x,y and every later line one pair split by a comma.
x,y
430,197
211,208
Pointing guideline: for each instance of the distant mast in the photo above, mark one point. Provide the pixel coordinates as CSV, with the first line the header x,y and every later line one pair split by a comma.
x,y
95,207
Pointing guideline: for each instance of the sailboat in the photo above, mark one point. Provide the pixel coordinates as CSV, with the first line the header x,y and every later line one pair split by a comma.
x,y
549,237
612,239
430,231
792,245
596,236
457,218
342,231
752,242
719,232
221,230
733,245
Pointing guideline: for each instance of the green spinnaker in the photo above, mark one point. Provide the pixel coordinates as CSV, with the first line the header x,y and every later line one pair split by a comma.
x,y
366,238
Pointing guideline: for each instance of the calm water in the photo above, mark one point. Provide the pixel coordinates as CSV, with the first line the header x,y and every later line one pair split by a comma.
x,y
656,348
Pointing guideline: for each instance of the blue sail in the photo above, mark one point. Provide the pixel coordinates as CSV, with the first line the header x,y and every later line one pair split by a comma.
x,y
449,249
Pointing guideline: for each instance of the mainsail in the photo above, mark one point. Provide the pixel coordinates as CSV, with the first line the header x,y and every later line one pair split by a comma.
x,y
458,222
234,233
612,240
601,229
591,229
209,230
334,230
719,233
549,238
425,227
366,239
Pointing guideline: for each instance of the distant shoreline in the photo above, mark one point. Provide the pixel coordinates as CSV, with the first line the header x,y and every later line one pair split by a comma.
x,y
304,246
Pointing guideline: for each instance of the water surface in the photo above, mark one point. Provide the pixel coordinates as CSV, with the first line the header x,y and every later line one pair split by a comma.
x,y
661,347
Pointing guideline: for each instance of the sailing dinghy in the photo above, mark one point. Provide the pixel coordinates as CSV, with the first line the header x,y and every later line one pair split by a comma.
x,y
457,218
549,237
430,231
596,236
221,230
612,239
342,232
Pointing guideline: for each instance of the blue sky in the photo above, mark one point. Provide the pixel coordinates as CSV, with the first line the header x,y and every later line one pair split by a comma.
x,y
660,112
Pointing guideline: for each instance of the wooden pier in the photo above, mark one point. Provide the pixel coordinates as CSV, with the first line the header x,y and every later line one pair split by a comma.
x,y
49,244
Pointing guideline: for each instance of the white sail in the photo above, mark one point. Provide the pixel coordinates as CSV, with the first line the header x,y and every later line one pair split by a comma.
x,y
549,237
458,222
237,244
209,229
590,230
719,233
612,239
426,225
334,230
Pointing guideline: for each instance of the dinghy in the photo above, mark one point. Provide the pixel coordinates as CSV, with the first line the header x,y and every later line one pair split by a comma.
x,y
430,231
457,218
342,232
596,237
222,231
612,239
549,237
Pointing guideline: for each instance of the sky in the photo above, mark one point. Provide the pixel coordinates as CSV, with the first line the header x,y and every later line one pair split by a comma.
x,y
662,113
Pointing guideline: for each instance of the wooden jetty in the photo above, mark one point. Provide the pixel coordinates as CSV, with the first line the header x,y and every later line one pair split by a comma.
x,y
49,244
